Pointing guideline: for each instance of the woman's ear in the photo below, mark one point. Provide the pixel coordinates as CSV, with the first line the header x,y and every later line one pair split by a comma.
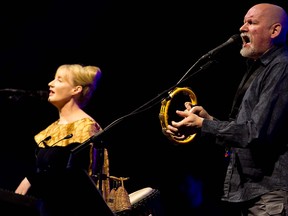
x,y
77,89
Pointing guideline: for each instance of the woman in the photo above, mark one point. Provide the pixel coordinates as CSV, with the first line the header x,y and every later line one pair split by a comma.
x,y
55,184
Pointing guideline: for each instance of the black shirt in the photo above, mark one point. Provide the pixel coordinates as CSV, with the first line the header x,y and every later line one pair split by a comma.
x,y
257,136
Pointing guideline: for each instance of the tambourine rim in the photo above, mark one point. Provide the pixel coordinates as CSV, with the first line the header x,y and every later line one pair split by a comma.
x,y
164,112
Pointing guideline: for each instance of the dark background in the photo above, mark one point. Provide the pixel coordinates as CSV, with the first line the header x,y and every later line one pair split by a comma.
x,y
143,49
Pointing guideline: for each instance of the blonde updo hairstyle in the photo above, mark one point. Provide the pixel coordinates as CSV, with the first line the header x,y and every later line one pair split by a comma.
x,y
85,76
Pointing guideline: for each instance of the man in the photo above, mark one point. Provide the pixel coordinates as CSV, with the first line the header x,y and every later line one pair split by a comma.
x,y
255,137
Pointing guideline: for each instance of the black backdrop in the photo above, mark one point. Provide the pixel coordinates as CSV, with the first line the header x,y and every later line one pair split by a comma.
x,y
143,48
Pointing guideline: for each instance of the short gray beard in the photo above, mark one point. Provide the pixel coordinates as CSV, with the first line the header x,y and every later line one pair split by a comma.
x,y
248,52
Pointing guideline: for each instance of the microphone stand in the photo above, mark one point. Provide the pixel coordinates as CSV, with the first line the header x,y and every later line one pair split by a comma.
x,y
95,138
140,109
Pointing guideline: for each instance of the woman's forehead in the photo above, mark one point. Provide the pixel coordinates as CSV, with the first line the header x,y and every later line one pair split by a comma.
x,y
62,72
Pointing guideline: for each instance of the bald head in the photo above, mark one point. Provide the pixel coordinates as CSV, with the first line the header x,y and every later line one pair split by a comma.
x,y
271,14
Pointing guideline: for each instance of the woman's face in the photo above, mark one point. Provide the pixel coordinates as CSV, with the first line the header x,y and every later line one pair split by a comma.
x,y
61,89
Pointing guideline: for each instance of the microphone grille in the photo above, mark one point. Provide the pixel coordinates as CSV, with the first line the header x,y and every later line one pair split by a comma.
x,y
236,38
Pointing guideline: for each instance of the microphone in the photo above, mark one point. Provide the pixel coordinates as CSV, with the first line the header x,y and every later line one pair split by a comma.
x,y
232,40
30,93
66,137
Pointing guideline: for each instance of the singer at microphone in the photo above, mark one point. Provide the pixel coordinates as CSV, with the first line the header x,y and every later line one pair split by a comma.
x,y
56,184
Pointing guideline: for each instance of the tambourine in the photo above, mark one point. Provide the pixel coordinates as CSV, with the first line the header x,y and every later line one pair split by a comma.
x,y
175,101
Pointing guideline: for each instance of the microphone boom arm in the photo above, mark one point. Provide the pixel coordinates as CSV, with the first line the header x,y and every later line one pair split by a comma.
x,y
96,137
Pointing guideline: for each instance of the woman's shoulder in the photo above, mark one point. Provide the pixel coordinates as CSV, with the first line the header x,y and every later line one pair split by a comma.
x,y
88,122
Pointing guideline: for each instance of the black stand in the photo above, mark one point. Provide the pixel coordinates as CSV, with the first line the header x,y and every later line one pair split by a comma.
x,y
94,202
76,157
97,167
97,143
73,192
96,138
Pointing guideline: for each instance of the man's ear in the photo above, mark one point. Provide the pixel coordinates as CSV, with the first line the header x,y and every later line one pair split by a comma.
x,y
276,29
